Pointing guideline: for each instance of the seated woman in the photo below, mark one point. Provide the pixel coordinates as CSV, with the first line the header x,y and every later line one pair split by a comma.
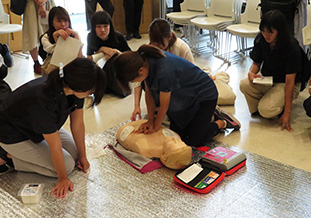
x,y
276,53
103,39
59,26
164,144
31,120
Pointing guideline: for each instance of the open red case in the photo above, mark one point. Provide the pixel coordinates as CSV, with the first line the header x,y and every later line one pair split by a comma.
x,y
204,175
199,177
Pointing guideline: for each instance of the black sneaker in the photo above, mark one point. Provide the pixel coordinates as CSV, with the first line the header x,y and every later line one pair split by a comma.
x,y
8,61
137,36
4,156
129,36
3,168
3,72
231,121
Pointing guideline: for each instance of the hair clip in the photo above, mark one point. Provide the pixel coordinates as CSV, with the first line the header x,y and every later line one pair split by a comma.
x,y
61,70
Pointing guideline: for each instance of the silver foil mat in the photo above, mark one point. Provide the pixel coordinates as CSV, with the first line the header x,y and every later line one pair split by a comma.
x,y
112,188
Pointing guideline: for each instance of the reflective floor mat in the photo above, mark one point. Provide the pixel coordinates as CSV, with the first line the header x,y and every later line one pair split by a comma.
x,y
112,188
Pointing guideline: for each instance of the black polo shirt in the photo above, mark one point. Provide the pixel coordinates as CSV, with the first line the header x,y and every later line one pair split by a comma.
x,y
31,111
277,62
94,43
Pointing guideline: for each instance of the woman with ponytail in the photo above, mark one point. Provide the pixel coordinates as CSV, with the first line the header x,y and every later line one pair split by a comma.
x,y
31,118
162,37
179,89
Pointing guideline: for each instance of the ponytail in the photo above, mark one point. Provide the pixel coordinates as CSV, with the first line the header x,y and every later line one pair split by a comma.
x,y
128,63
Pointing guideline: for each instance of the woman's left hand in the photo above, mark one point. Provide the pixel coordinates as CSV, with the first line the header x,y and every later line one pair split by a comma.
x,y
83,164
62,187
285,119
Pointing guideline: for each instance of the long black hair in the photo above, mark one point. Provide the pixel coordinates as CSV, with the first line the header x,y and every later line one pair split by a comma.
x,y
275,19
80,75
60,13
128,63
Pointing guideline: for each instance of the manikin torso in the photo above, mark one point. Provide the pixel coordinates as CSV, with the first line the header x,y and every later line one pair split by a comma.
x,y
164,144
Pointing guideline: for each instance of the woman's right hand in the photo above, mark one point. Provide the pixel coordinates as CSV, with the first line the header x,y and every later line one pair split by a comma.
x,y
136,112
62,187
109,52
42,11
252,76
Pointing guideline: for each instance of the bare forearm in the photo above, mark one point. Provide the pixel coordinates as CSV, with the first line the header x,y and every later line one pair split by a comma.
x,y
160,117
150,105
78,133
137,96
289,90
254,68
58,161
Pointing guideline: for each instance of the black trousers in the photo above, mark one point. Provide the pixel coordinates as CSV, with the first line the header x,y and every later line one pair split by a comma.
x,y
90,7
132,10
307,106
176,8
201,129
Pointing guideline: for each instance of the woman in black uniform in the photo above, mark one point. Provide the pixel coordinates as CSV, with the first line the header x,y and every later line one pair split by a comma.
x,y
31,120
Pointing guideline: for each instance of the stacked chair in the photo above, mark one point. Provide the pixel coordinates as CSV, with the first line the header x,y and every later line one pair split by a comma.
x,y
189,9
220,14
248,28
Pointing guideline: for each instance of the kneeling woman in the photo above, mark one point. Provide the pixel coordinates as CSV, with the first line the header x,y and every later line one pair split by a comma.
x,y
31,120
181,90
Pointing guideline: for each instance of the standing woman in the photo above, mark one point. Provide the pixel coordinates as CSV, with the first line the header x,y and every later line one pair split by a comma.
x,y
162,37
275,53
31,120
132,10
90,8
181,90
33,29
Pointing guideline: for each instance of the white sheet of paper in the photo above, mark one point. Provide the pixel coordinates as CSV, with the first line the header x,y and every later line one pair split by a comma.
x,y
306,35
266,80
190,173
65,51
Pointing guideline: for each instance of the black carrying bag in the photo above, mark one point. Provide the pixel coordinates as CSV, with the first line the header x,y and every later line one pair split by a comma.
x,y
18,6
306,71
287,7
5,90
